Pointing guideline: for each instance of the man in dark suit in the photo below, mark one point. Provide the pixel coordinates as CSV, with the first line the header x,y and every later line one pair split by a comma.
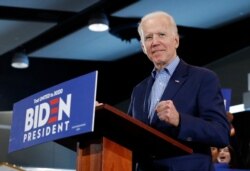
x,y
181,100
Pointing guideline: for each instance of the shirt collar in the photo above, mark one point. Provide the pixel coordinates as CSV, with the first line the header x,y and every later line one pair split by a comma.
x,y
170,68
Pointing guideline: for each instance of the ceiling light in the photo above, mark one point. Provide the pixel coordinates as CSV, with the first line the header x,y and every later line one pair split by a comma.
x,y
20,61
98,22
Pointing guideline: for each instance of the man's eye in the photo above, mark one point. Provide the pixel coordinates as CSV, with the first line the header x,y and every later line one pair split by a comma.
x,y
148,37
162,34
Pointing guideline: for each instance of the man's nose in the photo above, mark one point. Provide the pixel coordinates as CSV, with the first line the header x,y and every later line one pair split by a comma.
x,y
155,40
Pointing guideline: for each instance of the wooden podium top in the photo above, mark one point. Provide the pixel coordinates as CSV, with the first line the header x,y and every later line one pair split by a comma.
x,y
129,132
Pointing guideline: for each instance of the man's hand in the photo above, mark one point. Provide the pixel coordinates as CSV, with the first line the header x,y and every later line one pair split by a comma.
x,y
167,112
98,104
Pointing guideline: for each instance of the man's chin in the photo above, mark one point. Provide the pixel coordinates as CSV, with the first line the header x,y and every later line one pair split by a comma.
x,y
160,65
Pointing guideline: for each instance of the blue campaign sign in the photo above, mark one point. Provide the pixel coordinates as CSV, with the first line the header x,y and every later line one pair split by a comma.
x,y
60,111
226,92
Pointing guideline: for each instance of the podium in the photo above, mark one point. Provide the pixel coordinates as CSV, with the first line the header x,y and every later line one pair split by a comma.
x,y
117,137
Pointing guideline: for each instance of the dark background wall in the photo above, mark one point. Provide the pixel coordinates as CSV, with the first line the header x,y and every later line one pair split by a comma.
x,y
233,72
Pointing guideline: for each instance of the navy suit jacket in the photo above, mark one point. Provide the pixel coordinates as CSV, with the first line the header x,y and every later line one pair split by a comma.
x,y
196,94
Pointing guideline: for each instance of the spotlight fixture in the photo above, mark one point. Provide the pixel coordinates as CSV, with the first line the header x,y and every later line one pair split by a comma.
x,y
20,60
98,22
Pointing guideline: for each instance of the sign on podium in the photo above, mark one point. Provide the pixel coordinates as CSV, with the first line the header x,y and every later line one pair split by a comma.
x,y
60,111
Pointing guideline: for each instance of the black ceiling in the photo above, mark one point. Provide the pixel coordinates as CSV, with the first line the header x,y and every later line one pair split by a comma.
x,y
198,46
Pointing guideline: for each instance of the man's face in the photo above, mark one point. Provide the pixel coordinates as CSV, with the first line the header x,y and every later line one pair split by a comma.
x,y
159,41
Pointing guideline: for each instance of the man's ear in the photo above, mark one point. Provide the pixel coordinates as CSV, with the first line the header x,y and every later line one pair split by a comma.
x,y
177,41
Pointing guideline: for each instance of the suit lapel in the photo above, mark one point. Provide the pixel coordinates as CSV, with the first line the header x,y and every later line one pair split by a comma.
x,y
146,104
176,81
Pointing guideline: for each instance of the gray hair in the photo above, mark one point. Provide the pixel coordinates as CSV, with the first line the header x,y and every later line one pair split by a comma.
x,y
162,13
